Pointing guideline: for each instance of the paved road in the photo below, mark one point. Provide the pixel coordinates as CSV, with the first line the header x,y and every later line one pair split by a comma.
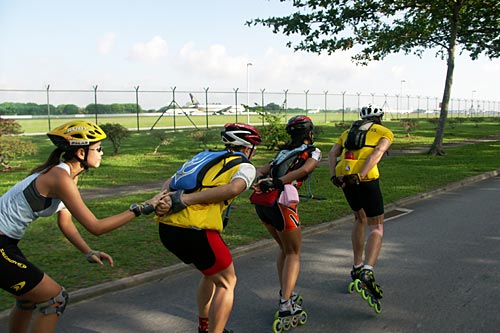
x,y
439,269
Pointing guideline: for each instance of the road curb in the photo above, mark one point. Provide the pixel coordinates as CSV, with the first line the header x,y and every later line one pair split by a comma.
x,y
159,274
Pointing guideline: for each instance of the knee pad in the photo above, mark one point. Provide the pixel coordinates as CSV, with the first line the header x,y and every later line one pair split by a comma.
x,y
62,299
377,229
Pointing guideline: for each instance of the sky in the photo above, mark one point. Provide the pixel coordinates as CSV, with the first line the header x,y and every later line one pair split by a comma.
x,y
193,45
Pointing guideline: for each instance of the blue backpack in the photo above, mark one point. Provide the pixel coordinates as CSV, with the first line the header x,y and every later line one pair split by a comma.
x,y
190,175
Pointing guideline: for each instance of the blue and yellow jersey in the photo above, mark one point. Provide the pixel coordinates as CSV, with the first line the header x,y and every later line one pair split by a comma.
x,y
207,215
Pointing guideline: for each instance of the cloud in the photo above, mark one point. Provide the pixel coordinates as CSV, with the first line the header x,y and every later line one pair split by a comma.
x,y
214,62
105,43
150,51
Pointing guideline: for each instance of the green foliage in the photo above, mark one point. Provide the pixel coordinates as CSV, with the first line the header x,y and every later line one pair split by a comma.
x,y
115,133
383,27
204,137
274,132
409,125
12,148
378,28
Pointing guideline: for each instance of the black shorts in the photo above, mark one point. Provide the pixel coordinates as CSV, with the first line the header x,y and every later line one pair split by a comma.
x,y
205,249
367,196
18,275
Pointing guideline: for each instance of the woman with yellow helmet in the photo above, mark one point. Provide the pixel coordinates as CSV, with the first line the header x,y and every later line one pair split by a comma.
x,y
52,188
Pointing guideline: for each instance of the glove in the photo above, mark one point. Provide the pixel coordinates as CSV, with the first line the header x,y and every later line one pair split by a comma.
x,y
266,185
92,253
336,181
177,203
352,179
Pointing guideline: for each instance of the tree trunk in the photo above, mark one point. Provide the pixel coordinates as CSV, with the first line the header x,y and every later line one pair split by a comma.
x,y
437,145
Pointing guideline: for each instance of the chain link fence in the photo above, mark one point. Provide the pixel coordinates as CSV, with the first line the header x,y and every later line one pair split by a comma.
x,y
174,109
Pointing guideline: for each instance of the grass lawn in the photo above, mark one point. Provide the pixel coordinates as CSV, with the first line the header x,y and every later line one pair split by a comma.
x,y
136,248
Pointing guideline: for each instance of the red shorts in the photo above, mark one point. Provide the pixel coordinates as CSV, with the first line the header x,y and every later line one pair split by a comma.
x,y
205,249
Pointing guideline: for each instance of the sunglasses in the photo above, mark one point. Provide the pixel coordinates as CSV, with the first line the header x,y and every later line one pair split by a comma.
x,y
98,149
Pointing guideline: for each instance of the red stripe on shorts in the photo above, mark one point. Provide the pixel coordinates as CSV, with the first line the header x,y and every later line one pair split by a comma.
x,y
222,254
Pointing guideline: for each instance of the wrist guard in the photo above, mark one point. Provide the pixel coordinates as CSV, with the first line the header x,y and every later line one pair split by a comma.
x,y
177,203
278,184
352,179
336,181
147,208
91,253
266,185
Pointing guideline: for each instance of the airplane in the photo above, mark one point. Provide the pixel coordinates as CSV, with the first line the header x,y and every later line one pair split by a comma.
x,y
213,108
313,111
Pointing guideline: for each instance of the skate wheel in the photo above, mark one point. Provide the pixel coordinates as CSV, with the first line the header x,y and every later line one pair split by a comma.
x,y
299,300
358,285
377,307
303,318
276,314
365,295
371,301
287,325
277,327
350,288
294,322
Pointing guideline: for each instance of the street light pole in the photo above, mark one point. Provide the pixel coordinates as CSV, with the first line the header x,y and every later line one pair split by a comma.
x,y
248,92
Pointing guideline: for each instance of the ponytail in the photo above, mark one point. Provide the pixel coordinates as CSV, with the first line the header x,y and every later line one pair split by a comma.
x,y
53,160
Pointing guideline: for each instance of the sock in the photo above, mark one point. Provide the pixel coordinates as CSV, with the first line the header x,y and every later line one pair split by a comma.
x,y
203,323
358,266
368,267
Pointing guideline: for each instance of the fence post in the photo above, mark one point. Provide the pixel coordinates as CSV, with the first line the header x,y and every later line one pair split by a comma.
x,y
343,105
206,104
137,105
326,95
285,104
236,102
262,103
95,102
306,92
48,105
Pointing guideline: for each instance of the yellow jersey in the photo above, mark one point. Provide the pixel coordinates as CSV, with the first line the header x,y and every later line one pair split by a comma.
x,y
351,162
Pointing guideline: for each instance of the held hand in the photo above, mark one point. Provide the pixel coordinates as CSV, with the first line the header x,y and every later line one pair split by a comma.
x,y
164,205
157,198
353,179
337,181
97,257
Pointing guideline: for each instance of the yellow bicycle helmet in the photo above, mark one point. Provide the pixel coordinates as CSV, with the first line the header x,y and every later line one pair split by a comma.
x,y
76,133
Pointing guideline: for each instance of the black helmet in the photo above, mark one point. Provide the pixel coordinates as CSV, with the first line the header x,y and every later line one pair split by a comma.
x,y
299,124
238,134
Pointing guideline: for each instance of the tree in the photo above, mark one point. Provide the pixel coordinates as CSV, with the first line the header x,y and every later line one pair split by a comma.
x,y
116,133
382,27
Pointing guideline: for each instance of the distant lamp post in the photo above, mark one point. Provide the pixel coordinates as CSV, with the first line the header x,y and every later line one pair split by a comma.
x,y
248,91
472,100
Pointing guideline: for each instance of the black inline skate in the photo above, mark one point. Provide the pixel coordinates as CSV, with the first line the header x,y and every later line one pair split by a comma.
x,y
369,290
290,315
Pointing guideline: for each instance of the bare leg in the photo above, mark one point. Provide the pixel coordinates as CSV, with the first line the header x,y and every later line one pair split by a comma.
x,y
19,319
222,301
292,242
374,242
358,236
206,290
280,261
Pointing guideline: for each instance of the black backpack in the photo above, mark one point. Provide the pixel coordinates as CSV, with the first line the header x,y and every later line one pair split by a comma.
x,y
357,134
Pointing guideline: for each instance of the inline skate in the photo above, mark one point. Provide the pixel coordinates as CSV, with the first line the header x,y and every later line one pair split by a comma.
x,y
296,298
365,285
290,315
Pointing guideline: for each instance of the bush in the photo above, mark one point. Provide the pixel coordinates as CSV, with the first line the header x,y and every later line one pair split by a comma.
x,y
116,133
274,133
12,148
